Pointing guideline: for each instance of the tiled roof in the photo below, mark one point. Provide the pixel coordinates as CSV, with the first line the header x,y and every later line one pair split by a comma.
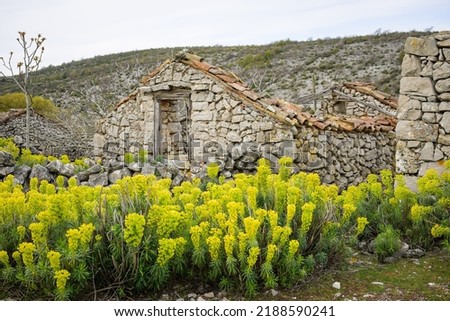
x,y
286,112
371,90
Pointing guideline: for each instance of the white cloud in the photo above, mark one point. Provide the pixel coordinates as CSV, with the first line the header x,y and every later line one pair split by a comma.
x,y
85,28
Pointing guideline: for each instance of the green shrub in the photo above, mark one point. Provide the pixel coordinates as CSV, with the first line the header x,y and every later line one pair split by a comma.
x,y
40,104
128,158
387,243
8,145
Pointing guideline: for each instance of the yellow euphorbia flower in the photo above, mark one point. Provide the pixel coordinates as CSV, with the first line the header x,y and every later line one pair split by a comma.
x,y
253,254
27,250
229,242
419,212
251,197
307,216
4,259
166,250
290,213
38,233
348,210
73,239
134,229
86,231
61,277
271,250
214,244
293,247
361,225
196,234
251,227
17,257
180,246
439,230
273,218
54,259
21,230
212,170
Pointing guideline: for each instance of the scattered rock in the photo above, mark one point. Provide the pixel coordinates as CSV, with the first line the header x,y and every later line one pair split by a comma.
x,y
402,251
5,171
97,168
390,259
135,167
337,285
100,179
41,173
6,159
148,169
55,166
377,283
68,170
208,295
21,174
118,174
414,253
177,180
274,292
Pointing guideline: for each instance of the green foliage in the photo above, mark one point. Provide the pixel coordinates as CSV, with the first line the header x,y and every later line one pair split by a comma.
x,y
8,145
41,105
128,158
386,243
252,232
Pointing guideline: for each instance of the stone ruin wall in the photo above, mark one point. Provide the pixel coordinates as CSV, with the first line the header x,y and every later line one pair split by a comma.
x,y
46,137
334,104
423,129
227,131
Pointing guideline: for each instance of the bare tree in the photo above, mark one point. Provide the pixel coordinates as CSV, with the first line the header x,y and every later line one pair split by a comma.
x,y
32,55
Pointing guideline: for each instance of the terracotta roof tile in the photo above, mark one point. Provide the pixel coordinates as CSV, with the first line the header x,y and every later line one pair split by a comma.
x,y
371,90
286,112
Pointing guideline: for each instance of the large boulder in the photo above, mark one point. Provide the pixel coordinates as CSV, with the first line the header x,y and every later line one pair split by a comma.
x,y
41,173
421,46
99,179
6,170
21,174
118,174
6,159
55,166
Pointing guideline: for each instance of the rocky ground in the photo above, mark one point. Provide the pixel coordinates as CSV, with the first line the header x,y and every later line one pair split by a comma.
x,y
362,279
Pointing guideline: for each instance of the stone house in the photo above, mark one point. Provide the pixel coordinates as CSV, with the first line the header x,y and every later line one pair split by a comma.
x,y
46,136
189,112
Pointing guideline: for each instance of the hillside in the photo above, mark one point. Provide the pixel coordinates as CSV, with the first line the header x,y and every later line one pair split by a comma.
x,y
285,69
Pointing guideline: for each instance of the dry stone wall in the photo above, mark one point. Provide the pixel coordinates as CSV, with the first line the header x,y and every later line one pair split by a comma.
x,y
335,104
423,129
46,137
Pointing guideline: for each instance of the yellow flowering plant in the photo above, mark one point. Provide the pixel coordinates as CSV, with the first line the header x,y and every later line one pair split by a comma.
x,y
245,232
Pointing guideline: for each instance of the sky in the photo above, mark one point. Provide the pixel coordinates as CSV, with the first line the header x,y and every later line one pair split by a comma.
x,y
81,29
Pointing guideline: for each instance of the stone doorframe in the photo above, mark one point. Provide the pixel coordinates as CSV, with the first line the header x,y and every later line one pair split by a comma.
x,y
172,136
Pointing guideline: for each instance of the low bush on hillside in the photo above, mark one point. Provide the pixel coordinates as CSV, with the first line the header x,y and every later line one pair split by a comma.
x,y
253,232
41,105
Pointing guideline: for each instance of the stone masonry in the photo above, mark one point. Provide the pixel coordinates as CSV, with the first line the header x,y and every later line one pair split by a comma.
x,y
189,113
423,129
46,136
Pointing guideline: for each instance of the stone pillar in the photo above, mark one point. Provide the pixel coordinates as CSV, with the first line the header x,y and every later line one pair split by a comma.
x,y
423,129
